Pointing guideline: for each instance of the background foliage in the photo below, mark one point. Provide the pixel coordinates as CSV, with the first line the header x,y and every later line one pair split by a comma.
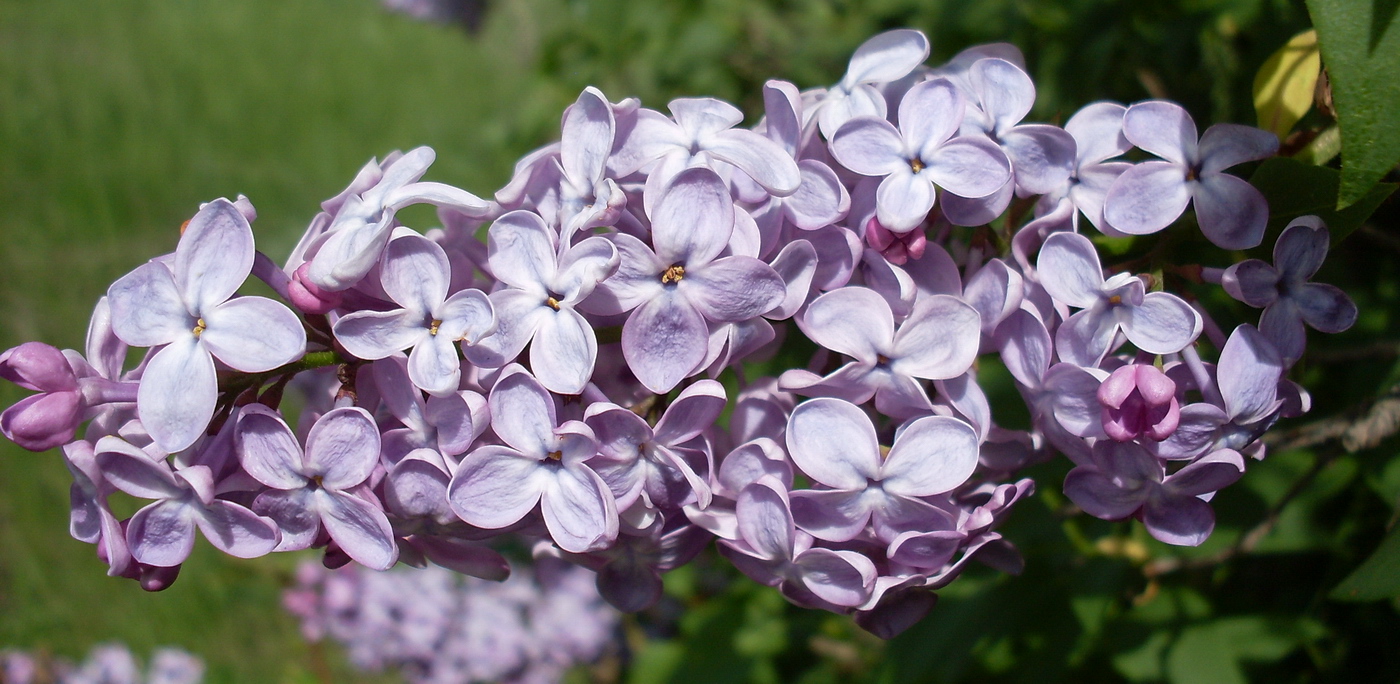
x,y
117,118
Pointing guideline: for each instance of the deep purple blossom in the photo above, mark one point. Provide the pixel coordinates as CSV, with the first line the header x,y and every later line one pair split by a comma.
x,y
1284,293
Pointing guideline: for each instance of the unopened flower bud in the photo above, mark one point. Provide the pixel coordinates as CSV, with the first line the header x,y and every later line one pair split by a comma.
x,y
1139,400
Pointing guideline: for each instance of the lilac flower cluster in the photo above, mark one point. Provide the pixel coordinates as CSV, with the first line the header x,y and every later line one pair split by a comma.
x,y
437,627
642,257
105,664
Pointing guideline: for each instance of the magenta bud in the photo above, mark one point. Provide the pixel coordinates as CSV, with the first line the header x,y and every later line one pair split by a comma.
x,y
43,421
897,248
38,367
307,297
1139,401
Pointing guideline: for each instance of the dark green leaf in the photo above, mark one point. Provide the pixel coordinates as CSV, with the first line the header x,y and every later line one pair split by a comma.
x,y
1296,189
1211,653
1361,50
1377,578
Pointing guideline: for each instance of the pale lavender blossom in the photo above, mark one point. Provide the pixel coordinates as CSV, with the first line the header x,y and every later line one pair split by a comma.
x,y
1152,194
162,533
322,486
542,463
772,551
937,341
415,274
636,459
1284,292
884,58
1126,480
364,220
702,130
920,155
187,308
1155,322
675,289
1097,130
834,443
543,285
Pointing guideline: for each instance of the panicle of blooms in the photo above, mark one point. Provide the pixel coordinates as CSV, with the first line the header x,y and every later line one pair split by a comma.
x,y
436,626
111,663
598,380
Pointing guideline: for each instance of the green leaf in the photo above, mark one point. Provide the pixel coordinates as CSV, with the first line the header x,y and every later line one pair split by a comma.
x,y
1283,88
1377,578
1211,653
1361,48
1296,189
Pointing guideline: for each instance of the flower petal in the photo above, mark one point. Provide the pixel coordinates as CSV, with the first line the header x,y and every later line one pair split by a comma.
x,y
343,447
415,273
1070,270
253,334
268,450
495,487
833,442
236,530
931,456
214,256
360,529
693,220
1162,324
664,340
1147,198
161,534
854,321
939,340
1162,128
579,510
564,351
733,289
146,307
1232,213
177,394
522,251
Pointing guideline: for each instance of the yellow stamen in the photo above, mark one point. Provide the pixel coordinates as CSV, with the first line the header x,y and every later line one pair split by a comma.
x,y
1115,299
673,274
433,327
199,327
916,164
556,455
552,303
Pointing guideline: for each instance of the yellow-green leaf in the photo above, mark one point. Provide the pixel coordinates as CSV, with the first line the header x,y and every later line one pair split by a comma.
x,y
1283,88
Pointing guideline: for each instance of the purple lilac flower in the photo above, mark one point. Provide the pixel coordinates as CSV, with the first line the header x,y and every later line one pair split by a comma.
x,y
543,285
323,486
887,57
1155,322
1284,293
1151,195
364,219
542,463
415,274
938,341
772,551
674,290
1125,480
834,443
162,533
187,309
921,154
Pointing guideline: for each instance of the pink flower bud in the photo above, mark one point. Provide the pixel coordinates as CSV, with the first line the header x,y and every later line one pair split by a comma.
x,y
1139,401
307,297
897,248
